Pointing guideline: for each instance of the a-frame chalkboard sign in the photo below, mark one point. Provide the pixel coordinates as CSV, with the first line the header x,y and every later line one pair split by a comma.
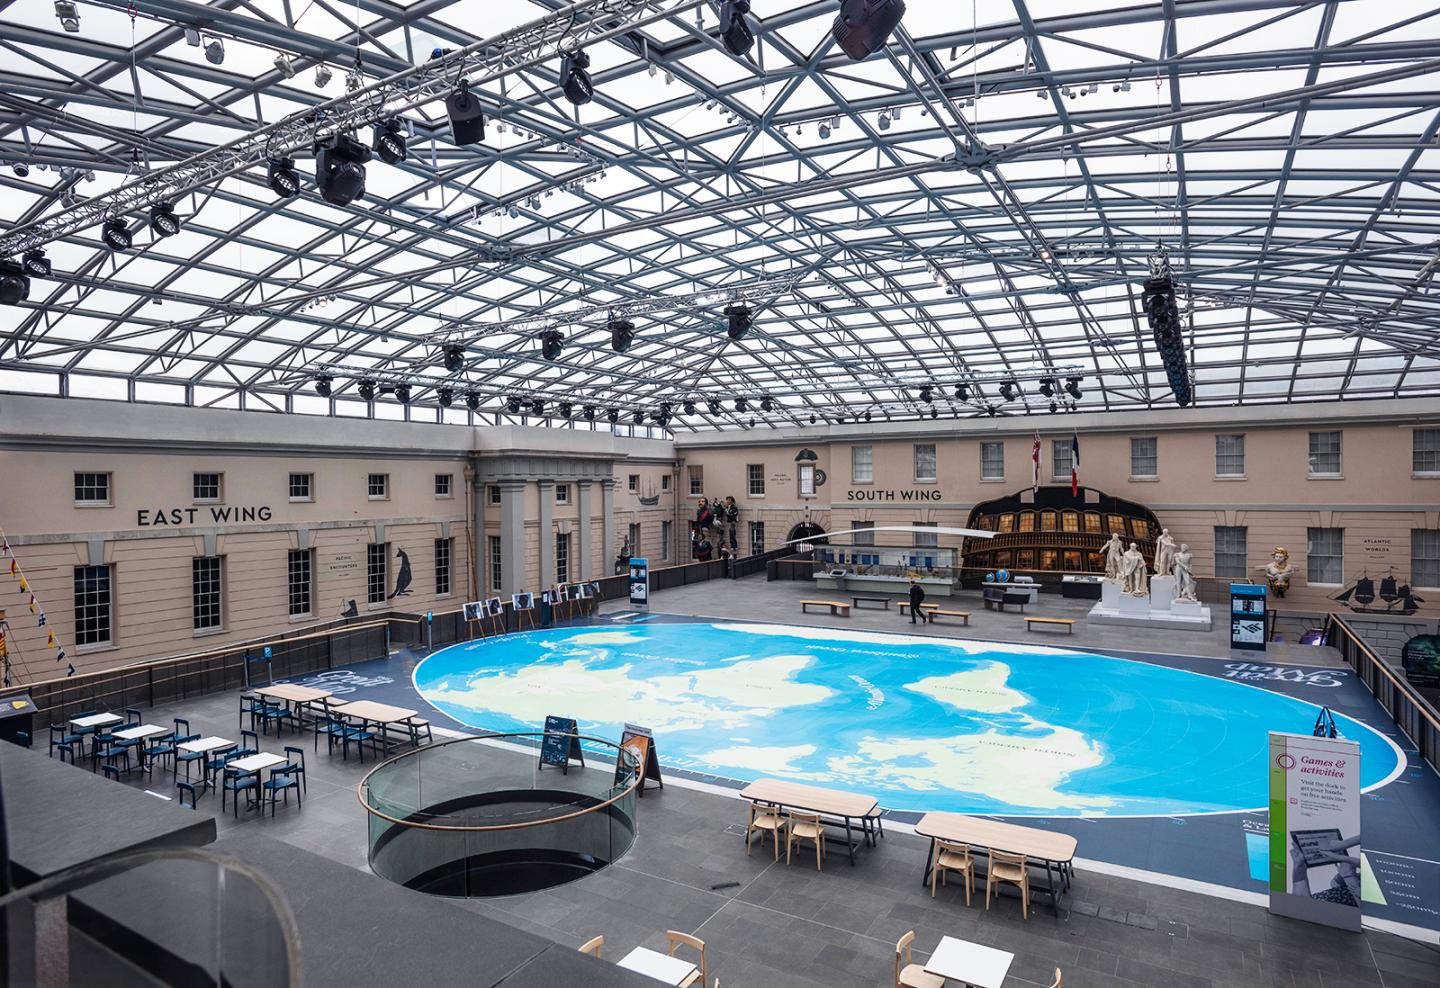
x,y
560,744
641,742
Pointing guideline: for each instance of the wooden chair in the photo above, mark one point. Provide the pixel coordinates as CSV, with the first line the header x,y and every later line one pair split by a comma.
x,y
1010,868
909,974
953,857
764,820
802,827
592,946
677,939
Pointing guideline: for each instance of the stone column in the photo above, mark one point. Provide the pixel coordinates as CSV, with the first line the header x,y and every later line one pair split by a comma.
x,y
512,535
607,526
584,557
547,533
479,490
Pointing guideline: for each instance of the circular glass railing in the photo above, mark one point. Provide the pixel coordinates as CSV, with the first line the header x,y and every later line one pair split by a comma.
x,y
476,817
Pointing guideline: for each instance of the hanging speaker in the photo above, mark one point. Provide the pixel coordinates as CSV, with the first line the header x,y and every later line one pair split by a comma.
x,y
467,119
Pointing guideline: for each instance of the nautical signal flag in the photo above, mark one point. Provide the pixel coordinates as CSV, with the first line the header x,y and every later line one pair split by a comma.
x,y
23,585
50,639
14,566
1074,464
33,608
41,622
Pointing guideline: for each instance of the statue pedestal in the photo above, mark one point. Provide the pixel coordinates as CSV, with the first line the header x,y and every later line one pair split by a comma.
x,y
1133,606
1110,594
1190,608
1162,592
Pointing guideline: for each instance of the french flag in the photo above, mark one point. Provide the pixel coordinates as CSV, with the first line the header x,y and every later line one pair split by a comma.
x,y
1074,465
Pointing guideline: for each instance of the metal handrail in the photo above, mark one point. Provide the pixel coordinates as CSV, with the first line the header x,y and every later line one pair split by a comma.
x,y
1422,706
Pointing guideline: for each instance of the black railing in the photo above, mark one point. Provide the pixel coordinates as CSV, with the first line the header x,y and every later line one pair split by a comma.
x,y
1411,712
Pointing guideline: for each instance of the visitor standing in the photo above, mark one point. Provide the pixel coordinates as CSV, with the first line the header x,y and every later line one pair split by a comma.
x,y
704,517
917,597
729,513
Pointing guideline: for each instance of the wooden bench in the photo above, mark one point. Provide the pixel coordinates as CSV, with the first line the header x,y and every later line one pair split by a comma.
x,y
964,616
883,601
1067,623
836,607
924,608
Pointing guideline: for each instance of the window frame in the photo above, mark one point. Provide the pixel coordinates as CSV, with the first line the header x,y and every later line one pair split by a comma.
x,y
307,594
370,576
562,557
496,550
308,497
88,615
805,480
444,549
1239,438
695,473
1417,567
868,464
992,445
1229,552
868,539
1057,446
755,479
915,460
632,483
1311,556
667,533
195,480
633,534
383,486
1154,457
493,495
1339,453
212,609
1418,437
920,539
449,492
562,493
757,538
109,500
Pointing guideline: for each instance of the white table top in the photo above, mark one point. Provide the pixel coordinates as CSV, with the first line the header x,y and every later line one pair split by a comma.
x,y
141,732
96,720
257,763
204,744
382,713
661,967
969,963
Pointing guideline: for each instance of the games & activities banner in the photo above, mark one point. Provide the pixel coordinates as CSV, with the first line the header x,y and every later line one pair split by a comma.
x,y
1315,829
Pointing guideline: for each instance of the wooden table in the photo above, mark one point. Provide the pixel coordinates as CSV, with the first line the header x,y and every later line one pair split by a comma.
x,y
377,713
653,964
969,963
1052,849
835,803
292,692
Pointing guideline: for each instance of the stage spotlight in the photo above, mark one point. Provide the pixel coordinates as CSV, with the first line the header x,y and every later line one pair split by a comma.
x,y
812,419
566,409
574,80
14,283
662,417
638,418
389,142
589,412
467,119
402,393
214,50
366,390
622,333
1047,387
714,407
613,415
324,385
734,31
766,405
284,66
689,407
512,405
1072,388
867,415
340,169
537,405
322,75
282,177
1009,390
20,169
454,359
115,234
863,26
68,14
934,413
551,343
739,319
1052,408
962,393
163,221
741,405
445,396
472,401
927,394
36,264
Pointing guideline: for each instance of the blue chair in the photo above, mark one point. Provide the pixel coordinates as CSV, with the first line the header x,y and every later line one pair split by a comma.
x,y
187,757
249,745
110,772
419,726
298,753
280,715
282,779
133,717
184,788
237,782
65,741
159,749
218,759
182,727
358,734
87,731
110,752
251,706
65,749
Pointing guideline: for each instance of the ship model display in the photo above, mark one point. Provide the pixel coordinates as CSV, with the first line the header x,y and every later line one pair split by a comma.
x,y
1393,597
651,497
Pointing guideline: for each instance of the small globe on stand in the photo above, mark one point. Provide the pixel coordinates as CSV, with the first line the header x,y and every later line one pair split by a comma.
x,y
1002,576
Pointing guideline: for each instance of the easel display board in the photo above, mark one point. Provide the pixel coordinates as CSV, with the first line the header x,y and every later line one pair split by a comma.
x,y
561,743
640,741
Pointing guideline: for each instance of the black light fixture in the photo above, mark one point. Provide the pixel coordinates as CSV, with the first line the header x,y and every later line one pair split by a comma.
x,y
734,31
445,396
714,407
766,405
927,394
566,409
472,401
551,343
962,393
115,234
324,384
14,283
863,26
512,405
1009,390
163,221
68,14
21,169
662,417
589,412
689,407
1053,406
366,390
36,264
739,319
1047,387
537,405
613,415
1072,388
741,405
467,119
340,169
214,49
402,393
574,80
454,358
622,333
389,142
638,418
812,418
867,415
934,413
282,177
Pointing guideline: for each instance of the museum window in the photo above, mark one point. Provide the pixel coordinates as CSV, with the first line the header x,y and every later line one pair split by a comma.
x,y
757,537
1048,521
755,479
924,462
1061,456
664,481
992,461
925,539
1426,452
805,480
1006,524
496,572
302,487
697,480
1230,456
93,605
562,493
377,558
1325,556
632,484
1070,521
494,490
92,489
205,592
862,464
1144,457
207,487
444,485
562,557
1425,557
635,539
1027,521
300,567
667,531
1092,522
377,486
1325,454
864,532
444,549
1231,552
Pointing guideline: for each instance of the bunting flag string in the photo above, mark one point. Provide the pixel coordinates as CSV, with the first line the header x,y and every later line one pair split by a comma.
x,y
52,641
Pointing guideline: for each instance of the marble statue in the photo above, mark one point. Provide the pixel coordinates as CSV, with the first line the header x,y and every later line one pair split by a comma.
x,y
1114,553
1278,571
1164,553
1184,578
1134,577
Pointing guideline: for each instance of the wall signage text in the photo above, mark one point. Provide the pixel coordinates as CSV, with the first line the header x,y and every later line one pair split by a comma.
x,y
922,494
218,515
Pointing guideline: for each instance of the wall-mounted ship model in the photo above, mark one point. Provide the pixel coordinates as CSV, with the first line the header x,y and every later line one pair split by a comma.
x,y
1392,597
651,497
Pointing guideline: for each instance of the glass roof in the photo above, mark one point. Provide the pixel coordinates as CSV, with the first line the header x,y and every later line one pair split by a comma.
x,y
983,198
